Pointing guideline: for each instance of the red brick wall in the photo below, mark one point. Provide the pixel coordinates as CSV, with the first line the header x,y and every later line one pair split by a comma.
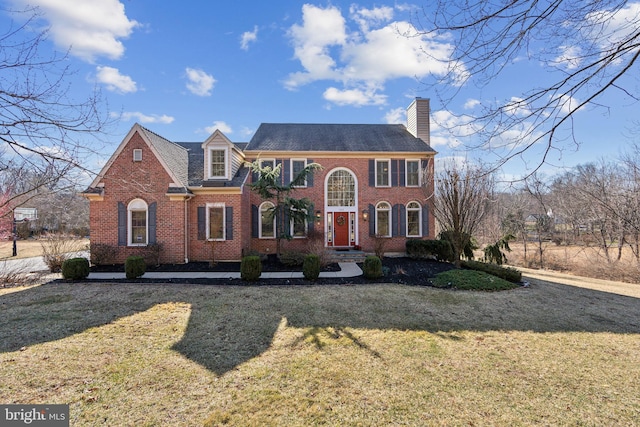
x,y
126,180
366,195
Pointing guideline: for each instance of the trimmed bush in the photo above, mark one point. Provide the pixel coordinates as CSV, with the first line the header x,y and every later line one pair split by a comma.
x,y
372,268
250,268
506,273
471,280
134,267
311,267
438,249
75,269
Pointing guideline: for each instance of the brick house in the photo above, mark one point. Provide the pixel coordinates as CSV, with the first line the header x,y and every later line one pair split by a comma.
x,y
194,198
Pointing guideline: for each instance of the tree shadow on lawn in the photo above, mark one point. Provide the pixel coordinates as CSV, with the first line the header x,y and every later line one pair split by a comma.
x,y
229,325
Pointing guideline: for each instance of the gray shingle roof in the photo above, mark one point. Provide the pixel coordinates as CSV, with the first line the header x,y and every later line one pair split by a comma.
x,y
173,155
196,167
335,137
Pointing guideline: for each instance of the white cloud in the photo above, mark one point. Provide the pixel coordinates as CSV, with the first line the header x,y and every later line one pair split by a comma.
x,y
396,116
91,29
200,83
366,17
248,37
144,118
569,57
471,104
364,55
219,125
356,97
115,81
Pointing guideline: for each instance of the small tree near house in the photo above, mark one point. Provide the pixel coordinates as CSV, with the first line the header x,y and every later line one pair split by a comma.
x,y
269,186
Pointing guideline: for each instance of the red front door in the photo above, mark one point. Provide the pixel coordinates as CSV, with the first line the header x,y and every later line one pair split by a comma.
x,y
341,229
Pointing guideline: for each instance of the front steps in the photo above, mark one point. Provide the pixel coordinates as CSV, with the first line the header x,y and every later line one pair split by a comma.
x,y
350,255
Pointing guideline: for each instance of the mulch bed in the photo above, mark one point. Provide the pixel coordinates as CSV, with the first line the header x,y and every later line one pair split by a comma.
x,y
400,270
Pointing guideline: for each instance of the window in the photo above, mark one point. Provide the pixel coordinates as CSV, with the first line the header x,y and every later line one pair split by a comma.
x,y
297,166
268,163
341,189
413,173
217,163
267,225
383,219
137,155
382,173
299,226
414,219
138,221
215,221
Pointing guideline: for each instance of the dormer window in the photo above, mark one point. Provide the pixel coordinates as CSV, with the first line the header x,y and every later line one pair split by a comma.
x,y
218,163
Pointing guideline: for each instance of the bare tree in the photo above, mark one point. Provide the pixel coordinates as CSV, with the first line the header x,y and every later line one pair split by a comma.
x,y
588,48
461,197
43,130
542,217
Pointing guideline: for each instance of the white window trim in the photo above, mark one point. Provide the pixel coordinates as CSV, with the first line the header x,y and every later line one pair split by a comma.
x,y
406,169
388,161
275,231
224,221
136,206
306,229
227,161
378,209
293,175
419,210
137,154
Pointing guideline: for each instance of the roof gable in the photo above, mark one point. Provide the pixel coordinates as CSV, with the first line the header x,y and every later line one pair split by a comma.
x,y
172,157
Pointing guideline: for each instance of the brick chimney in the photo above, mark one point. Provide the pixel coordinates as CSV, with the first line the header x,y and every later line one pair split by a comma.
x,y
418,119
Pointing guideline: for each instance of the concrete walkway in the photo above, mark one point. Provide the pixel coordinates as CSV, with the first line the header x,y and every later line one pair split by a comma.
x,y
347,269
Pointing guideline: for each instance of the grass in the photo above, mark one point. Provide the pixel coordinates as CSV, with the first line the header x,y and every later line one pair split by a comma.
x,y
188,355
33,248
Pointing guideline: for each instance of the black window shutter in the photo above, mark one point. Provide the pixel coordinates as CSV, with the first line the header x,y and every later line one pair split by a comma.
x,y
425,221
311,222
279,162
255,215
372,220
286,214
402,179
122,224
286,171
310,176
228,219
202,223
394,172
152,222
395,212
402,220
372,173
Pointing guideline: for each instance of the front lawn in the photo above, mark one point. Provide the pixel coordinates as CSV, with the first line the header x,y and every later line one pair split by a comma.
x,y
183,355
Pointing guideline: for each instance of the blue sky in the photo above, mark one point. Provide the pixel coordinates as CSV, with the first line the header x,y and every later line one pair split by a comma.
x,y
183,69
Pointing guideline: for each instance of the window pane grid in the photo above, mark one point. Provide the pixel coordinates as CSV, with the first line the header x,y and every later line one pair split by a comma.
x,y
341,189
382,173
218,163
413,174
216,223
139,227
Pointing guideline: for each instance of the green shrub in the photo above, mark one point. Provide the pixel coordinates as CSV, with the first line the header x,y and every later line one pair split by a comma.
x,y
506,273
372,268
311,267
292,258
438,249
471,280
75,269
250,268
469,244
102,254
134,267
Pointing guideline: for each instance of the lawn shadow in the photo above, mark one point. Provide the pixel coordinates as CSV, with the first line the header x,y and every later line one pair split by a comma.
x,y
230,325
